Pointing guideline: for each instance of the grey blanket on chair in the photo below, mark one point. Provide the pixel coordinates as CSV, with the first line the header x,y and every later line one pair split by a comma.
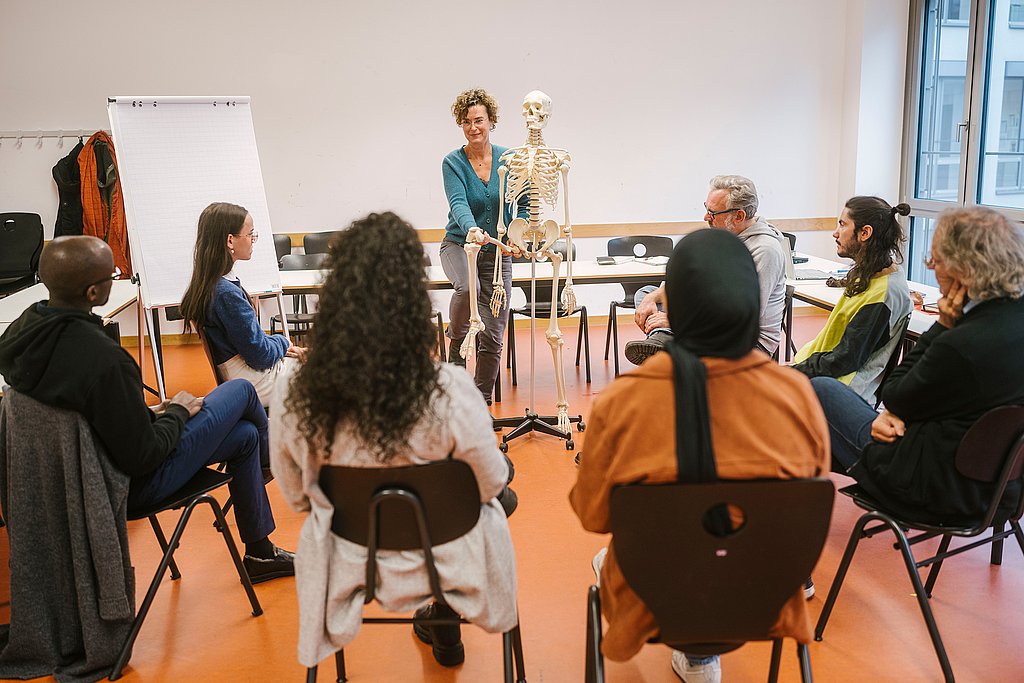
x,y
72,583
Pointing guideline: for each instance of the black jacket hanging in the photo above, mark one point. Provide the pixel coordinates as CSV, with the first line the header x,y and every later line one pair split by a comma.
x,y
68,178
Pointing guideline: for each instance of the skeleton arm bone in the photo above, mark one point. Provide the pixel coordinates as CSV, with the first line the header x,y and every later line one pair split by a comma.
x,y
499,297
568,295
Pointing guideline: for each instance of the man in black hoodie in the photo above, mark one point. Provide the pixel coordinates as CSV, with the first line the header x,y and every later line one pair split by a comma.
x,y
58,354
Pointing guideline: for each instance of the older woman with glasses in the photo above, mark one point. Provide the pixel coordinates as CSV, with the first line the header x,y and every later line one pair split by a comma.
x,y
471,183
967,363
216,303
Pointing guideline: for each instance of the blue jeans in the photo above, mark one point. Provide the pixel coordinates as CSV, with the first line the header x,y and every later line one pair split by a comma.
x,y
849,420
231,427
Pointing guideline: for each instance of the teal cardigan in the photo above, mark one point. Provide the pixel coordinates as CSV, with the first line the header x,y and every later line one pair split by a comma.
x,y
472,202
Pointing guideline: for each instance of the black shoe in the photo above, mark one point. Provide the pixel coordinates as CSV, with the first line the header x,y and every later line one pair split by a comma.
x,y
639,351
808,589
262,569
268,476
509,500
445,640
454,356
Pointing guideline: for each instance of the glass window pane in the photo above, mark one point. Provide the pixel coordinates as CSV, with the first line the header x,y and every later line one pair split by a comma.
x,y
920,248
943,83
1001,180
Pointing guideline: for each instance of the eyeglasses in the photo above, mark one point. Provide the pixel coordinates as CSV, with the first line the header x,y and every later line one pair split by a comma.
x,y
113,276
479,121
252,235
717,213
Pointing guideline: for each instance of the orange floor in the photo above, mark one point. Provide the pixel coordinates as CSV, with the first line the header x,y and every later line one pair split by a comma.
x,y
200,627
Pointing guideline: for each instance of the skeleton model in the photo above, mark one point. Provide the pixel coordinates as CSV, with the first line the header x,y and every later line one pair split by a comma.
x,y
528,175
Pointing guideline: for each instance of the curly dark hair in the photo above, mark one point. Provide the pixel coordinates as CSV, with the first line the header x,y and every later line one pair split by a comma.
x,y
370,361
470,98
883,248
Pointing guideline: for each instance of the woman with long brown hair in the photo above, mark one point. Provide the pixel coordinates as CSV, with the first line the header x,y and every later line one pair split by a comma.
x,y
372,394
216,303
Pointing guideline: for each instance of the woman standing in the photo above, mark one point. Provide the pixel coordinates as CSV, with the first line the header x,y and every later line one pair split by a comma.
x,y
471,184
216,303
364,404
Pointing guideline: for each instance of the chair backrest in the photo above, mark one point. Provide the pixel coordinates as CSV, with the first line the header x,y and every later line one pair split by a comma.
x,y
544,276
653,245
894,357
992,451
303,261
792,240
21,242
283,246
413,507
217,374
318,242
703,588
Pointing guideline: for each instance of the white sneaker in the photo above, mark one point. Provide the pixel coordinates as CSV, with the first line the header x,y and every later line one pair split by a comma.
x,y
702,673
598,562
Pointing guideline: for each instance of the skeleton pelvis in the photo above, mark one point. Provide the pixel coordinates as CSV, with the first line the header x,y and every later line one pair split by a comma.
x,y
532,240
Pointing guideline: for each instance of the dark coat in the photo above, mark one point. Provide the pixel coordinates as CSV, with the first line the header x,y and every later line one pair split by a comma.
x,y
72,582
950,379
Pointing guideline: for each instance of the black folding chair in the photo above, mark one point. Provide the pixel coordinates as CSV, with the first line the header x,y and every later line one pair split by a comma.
x,y
711,589
283,247
992,451
21,242
195,492
318,242
415,507
301,319
637,246
543,310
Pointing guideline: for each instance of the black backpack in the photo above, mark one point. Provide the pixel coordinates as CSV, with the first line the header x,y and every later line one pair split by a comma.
x,y
69,188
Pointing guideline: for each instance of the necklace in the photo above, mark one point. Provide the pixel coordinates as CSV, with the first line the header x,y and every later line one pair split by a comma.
x,y
473,161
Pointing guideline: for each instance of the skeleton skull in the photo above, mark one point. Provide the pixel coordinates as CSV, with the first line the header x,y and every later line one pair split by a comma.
x,y
536,109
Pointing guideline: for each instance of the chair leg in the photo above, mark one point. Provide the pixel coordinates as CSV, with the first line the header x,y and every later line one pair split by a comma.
x,y
614,324
440,338
933,571
512,347
229,541
594,672
804,654
608,332
506,652
155,523
311,674
997,545
339,666
586,341
773,669
837,582
147,602
1018,534
497,388
517,652
579,337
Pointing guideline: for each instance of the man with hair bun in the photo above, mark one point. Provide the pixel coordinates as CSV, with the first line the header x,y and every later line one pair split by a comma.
x,y
862,330
731,205
967,363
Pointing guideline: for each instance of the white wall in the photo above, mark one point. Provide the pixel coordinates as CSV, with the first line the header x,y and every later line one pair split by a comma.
x,y
351,100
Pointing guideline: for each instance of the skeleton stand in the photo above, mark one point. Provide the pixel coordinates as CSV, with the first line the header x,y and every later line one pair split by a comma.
x,y
532,422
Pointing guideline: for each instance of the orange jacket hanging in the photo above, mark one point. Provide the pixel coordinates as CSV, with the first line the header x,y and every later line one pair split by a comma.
x,y
102,205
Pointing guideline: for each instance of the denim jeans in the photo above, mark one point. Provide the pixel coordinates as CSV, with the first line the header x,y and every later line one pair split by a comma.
x,y
456,269
849,420
231,427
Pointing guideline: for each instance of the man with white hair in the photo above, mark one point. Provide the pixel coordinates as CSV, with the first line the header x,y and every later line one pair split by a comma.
x,y
731,205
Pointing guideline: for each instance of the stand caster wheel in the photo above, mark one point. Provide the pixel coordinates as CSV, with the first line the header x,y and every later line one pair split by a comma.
x,y
569,445
581,426
503,447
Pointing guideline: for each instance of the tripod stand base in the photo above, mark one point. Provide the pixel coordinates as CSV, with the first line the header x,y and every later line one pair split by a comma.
x,y
532,422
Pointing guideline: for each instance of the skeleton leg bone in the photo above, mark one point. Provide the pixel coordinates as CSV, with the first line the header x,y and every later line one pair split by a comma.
x,y
554,337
